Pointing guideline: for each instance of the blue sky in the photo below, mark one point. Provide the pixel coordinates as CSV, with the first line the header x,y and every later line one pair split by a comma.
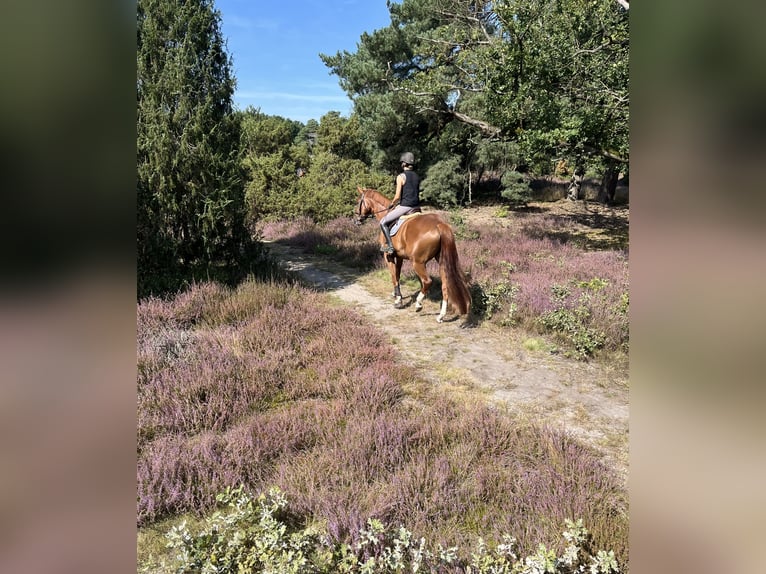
x,y
275,46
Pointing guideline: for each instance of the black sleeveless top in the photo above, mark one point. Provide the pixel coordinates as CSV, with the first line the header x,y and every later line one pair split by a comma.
x,y
410,196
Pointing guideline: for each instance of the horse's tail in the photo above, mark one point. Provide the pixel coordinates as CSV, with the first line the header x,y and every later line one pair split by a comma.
x,y
453,280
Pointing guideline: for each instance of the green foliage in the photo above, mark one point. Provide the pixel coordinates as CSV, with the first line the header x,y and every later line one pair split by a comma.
x,y
294,172
516,188
328,190
190,209
624,303
253,535
491,298
569,78
341,137
273,189
250,537
444,182
573,323
533,344
263,134
594,285
498,156
308,170
549,79
460,226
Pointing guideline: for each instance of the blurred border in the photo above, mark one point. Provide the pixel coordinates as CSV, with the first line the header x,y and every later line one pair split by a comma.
x,y
67,310
698,266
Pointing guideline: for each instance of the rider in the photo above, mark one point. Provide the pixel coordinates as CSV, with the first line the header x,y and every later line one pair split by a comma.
x,y
408,191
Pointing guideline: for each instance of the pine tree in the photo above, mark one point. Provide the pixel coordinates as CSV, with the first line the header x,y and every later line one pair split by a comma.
x,y
189,183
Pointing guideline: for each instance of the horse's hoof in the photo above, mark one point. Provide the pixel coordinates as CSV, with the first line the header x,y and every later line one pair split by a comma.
x,y
418,307
440,319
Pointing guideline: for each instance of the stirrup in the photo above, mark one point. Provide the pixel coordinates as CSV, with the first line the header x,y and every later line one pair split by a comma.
x,y
387,249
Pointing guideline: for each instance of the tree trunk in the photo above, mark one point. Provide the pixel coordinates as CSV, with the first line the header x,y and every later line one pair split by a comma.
x,y
573,192
609,183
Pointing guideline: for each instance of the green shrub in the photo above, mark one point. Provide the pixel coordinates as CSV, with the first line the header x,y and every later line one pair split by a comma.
x,y
444,183
515,188
573,324
273,187
501,212
498,155
250,537
491,298
328,190
460,226
253,535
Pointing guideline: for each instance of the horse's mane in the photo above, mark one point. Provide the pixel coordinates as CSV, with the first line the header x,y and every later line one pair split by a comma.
x,y
375,195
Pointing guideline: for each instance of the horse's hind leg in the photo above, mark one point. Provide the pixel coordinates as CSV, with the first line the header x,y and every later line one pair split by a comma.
x,y
442,312
425,283
445,300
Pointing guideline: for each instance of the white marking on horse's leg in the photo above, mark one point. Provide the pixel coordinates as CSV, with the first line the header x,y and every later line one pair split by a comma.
x,y
443,311
398,301
419,301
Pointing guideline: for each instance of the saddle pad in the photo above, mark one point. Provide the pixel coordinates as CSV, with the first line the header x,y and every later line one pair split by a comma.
x,y
395,227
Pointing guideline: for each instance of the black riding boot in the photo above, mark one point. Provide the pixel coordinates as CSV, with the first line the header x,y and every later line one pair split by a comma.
x,y
389,248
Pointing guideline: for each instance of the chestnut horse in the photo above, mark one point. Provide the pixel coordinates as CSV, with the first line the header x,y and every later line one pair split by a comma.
x,y
420,238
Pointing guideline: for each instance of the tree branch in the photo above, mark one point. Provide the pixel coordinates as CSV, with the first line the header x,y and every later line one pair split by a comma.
x,y
486,129
478,20
607,154
455,44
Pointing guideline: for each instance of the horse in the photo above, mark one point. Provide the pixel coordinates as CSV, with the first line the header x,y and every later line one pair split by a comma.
x,y
420,238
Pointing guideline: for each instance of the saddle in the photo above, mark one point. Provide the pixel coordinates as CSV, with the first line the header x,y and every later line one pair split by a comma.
x,y
398,223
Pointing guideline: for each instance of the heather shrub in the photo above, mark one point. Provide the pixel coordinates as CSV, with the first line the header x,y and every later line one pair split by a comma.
x,y
227,370
515,281
512,276
272,230
265,385
352,245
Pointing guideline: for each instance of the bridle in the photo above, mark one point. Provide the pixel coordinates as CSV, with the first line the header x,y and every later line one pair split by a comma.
x,y
359,218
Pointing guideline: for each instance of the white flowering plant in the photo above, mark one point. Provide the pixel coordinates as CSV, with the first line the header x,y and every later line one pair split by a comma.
x,y
250,535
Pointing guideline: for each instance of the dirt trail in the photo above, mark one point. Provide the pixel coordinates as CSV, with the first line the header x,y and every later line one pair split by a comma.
x,y
588,400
